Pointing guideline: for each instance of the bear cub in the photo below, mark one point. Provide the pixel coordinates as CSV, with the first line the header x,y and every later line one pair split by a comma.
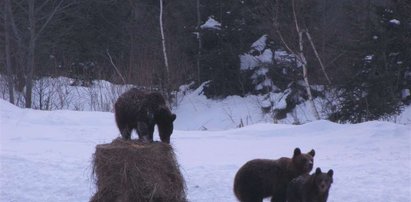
x,y
261,178
310,188
141,111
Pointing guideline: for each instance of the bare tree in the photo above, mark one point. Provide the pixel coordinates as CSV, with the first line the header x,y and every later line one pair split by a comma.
x,y
299,53
7,50
39,15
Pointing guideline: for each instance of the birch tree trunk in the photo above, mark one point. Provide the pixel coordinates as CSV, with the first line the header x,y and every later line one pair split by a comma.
x,y
317,55
305,76
304,64
163,40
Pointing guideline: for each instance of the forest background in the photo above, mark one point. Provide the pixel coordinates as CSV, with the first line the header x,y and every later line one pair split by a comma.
x,y
355,54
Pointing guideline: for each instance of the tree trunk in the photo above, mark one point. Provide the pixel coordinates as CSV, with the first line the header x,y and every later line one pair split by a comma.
x,y
163,40
30,55
7,50
199,42
305,76
304,64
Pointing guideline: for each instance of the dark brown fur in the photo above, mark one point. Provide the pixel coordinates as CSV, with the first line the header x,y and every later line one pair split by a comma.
x,y
261,178
310,188
139,110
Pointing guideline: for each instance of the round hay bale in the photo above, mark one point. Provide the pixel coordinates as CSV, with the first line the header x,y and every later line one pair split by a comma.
x,y
134,171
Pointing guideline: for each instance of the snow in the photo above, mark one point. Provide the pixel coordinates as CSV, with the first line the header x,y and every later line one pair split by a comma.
x,y
395,21
59,93
405,93
260,44
211,24
266,57
46,155
250,60
280,99
206,114
369,58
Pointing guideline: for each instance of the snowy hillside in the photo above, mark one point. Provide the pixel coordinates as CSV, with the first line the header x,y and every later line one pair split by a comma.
x,y
228,113
46,155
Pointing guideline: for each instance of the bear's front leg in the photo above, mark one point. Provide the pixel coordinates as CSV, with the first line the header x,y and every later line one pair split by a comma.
x,y
125,133
143,132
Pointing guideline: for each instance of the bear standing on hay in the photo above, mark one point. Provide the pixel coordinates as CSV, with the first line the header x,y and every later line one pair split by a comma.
x,y
128,170
139,110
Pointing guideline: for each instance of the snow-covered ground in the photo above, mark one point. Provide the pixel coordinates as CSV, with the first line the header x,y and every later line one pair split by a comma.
x,y
46,155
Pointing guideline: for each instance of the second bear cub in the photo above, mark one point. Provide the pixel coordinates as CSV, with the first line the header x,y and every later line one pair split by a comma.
x,y
310,188
260,178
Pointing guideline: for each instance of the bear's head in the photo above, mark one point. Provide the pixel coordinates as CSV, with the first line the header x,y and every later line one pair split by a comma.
x,y
322,180
165,119
303,163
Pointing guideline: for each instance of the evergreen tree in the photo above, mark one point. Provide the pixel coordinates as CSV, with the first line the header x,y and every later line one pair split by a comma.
x,y
374,92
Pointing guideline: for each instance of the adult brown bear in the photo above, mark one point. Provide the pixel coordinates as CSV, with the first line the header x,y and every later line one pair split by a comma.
x,y
310,188
261,178
140,110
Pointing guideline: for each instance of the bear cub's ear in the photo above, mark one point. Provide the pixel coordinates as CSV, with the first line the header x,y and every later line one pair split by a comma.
x,y
312,153
297,151
330,173
318,171
173,117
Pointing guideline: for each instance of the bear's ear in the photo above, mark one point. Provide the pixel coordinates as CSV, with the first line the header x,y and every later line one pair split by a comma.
x,y
312,153
318,171
330,173
297,151
173,117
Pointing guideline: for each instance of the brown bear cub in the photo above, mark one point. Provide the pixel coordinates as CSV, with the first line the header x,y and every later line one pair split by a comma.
x,y
310,188
139,110
261,178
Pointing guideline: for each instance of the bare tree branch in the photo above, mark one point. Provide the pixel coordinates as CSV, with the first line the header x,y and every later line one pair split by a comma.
x,y
318,56
51,15
336,58
115,67
42,6
13,25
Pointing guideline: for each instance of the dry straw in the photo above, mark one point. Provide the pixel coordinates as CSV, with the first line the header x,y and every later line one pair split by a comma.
x,y
131,171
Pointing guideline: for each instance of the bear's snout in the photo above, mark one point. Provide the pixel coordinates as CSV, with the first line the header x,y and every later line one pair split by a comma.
x,y
323,187
310,164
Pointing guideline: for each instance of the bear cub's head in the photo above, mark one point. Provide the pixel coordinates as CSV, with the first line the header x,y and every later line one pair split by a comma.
x,y
303,162
322,180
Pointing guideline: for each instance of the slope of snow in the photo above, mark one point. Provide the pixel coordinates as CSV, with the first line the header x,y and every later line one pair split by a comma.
x,y
205,114
46,155
234,111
